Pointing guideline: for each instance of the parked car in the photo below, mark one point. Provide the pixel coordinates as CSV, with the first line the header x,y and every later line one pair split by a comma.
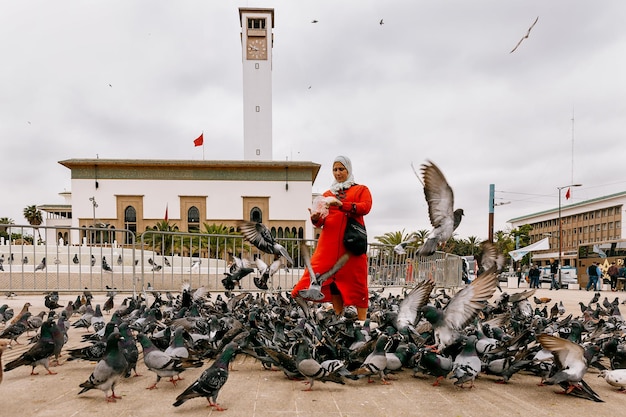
x,y
568,275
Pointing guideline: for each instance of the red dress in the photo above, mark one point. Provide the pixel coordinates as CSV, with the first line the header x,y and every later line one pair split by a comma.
x,y
351,279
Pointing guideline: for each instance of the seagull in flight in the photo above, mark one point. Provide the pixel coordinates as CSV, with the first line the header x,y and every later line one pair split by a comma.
x,y
526,35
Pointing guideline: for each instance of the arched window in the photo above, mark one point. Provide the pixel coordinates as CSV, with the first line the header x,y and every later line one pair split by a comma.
x,y
193,219
130,222
256,215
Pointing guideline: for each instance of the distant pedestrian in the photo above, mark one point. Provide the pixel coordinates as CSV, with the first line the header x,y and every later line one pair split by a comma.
x,y
554,270
592,273
613,273
533,275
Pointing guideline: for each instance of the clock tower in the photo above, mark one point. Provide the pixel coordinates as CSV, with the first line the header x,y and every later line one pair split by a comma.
x,y
256,41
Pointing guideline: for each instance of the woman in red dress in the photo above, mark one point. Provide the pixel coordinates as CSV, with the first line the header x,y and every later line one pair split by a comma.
x,y
348,287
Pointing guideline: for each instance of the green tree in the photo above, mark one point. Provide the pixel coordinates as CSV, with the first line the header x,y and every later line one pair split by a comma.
x,y
161,243
33,216
220,240
3,229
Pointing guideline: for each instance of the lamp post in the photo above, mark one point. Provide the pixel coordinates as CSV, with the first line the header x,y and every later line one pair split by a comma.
x,y
94,204
559,266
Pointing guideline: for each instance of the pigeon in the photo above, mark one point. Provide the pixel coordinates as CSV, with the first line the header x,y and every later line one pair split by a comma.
x,y
615,378
161,363
6,313
525,36
75,259
23,311
51,300
15,330
466,366
195,266
25,260
128,345
42,265
105,265
381,22
443,217
376,362
167,262
572,361
120,261
208,385
266,271
312,370
460,310
97,320
400,248
39,353
429,362
260,236
108,370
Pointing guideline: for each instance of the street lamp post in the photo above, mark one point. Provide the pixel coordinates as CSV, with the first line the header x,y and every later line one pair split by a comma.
x,y
559,266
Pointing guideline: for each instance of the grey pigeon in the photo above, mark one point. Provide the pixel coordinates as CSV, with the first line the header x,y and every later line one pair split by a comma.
x,y
25,260
443,217
120,261
105,265
42,265
108,370
461,310
466,366
312,370
260,236
212,379
75,260
93,260
161,363
572,361
376,362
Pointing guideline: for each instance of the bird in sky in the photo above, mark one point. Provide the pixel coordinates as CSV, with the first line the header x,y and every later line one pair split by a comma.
x,y
381,22
314,21
525,36
440,199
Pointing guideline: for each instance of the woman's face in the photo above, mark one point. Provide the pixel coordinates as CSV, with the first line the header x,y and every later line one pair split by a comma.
x,y
340,172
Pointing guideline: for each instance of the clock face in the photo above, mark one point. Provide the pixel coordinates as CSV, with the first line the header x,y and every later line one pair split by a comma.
x,y
256,48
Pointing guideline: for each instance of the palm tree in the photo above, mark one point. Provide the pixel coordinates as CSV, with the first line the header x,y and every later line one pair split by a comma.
x,y
161,243
33,216
3,228
218,243
472,242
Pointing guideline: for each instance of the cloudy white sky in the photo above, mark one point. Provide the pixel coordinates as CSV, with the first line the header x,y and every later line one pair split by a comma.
x,y
142,79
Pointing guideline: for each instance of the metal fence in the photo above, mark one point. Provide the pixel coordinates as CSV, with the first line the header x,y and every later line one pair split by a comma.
x,y
115,258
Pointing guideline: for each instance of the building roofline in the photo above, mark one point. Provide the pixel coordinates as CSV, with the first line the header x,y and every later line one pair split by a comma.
x,y
555,210
193,164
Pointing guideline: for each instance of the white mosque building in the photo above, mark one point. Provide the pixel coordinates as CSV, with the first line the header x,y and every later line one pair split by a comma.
x,y
133,194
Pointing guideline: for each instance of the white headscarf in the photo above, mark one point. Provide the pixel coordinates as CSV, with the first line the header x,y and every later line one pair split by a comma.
x,y
349,182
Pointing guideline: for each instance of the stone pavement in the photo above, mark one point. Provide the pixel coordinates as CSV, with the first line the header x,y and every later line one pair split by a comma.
x,y
252,391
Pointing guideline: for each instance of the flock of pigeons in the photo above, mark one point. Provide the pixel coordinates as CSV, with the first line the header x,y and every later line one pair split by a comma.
x,y
428,331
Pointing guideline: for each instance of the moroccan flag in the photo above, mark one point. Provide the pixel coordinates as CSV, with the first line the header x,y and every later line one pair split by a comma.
x,y
568,194
166,216
199,140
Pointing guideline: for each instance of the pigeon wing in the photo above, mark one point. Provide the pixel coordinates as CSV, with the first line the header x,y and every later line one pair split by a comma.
x,y
466,304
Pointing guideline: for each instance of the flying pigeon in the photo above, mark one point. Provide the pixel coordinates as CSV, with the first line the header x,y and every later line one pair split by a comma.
x,y
211,380
108,370
440,199
400,248
525,36
572,361
461,310
260,236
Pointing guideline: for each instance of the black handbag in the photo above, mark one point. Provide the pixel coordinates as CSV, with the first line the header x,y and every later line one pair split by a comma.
x,y
355,237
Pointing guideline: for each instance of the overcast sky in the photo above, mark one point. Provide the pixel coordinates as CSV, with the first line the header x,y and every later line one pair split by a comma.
x,y
436,81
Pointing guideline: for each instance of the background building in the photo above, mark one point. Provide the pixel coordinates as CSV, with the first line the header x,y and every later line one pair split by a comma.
x,y
595,224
